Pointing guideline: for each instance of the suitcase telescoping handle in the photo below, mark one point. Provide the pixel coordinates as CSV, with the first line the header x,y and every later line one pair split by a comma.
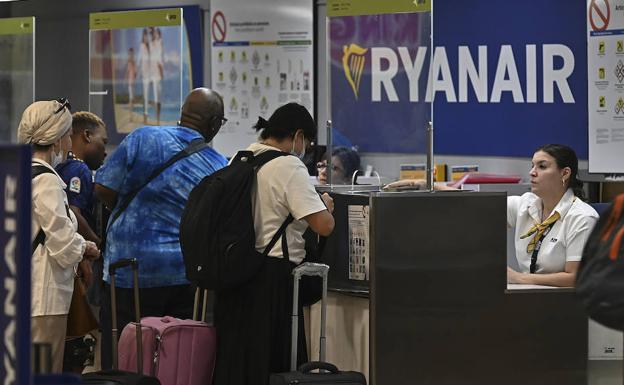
x,y
309,269
196,305
132,262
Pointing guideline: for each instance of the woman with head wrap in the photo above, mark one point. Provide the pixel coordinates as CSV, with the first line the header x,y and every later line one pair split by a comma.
x,y
57,247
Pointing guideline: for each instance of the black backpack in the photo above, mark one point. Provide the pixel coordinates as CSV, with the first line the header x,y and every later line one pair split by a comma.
x,y
217,234
600,278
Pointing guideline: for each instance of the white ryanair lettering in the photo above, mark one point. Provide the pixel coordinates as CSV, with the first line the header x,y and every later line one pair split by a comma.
x,y
472,74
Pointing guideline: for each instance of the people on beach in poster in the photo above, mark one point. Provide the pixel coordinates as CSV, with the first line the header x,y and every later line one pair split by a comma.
x,y
152,63
148,66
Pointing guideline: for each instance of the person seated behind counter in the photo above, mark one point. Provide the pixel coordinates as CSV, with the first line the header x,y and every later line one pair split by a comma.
x,y
553,212
345,162
553,216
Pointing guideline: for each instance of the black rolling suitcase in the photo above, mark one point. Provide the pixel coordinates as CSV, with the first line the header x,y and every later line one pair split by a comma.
x,y
328,374
110,377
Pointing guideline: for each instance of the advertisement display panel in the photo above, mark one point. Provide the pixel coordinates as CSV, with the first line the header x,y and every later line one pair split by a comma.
x,y
262,58
139,68
379,81
17,75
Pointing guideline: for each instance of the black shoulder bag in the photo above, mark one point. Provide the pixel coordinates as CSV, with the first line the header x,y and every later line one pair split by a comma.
x,y
195,146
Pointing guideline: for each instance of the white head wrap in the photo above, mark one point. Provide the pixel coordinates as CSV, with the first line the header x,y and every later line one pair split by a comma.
x,y
40,125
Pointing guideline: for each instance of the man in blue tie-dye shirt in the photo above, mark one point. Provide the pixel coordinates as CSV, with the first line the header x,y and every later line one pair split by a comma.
x,y
148,229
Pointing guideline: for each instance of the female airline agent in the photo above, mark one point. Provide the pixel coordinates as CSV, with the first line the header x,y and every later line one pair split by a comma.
x,y
552,223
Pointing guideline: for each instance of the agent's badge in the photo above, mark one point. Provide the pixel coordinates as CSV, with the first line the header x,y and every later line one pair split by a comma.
x,y
74,185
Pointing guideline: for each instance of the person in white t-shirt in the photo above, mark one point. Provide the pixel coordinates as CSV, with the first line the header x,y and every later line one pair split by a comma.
x,y
254,321
57,248
552,223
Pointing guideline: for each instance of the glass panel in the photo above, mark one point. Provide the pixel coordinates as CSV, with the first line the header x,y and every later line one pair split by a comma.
x,y
136,69
17,76
379,103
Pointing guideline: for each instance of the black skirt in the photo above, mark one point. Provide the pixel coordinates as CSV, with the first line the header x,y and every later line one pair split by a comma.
x,y
254,327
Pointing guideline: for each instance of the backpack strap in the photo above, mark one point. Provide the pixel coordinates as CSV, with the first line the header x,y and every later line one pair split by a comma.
x,y
195,146
277,236
614,217
259,161
37,170
267,156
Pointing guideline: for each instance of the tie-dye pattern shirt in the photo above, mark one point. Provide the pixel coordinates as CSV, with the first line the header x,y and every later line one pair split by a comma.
x,y
148,229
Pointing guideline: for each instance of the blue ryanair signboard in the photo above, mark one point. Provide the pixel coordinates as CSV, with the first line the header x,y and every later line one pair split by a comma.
x,y
505,77
15,222
518,76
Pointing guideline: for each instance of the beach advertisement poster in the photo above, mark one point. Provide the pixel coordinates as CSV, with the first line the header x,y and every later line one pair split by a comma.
x,y
140,69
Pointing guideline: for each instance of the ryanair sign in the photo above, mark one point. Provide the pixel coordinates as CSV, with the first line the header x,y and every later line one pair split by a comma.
x,y
15,228
384,63
500,88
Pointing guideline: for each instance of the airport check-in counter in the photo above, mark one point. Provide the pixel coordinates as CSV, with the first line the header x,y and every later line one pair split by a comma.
x,y
436,307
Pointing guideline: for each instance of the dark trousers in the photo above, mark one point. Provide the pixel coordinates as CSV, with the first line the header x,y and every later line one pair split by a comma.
x,y
175,301
254,327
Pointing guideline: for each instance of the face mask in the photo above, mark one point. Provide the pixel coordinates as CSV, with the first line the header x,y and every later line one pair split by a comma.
x,y
302,155
57,158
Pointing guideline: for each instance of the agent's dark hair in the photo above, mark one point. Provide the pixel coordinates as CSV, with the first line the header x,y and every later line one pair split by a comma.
x,y
285,122
566,157
349,158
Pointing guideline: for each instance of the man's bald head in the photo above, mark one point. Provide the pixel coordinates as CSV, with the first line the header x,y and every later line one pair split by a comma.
x,y
203,111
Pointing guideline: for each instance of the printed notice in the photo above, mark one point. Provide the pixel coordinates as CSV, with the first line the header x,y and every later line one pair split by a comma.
x,y
262,58
605,69
358,242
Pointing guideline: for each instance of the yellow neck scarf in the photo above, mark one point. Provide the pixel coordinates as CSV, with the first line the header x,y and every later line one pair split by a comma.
x,y
538,229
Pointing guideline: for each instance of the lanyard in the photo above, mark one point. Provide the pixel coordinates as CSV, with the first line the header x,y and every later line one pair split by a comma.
x,y
537,248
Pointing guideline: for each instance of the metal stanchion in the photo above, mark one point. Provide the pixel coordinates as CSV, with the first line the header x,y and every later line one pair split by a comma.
x,y
430,156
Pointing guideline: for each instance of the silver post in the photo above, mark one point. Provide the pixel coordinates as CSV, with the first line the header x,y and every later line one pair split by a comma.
x,y
328,151
114,321
323,320
295,324
429,156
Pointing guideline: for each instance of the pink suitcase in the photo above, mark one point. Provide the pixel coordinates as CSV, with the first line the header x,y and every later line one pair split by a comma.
x,y
177,352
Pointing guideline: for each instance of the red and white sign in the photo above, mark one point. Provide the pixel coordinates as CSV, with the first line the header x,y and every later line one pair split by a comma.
x,y
599,14
219,27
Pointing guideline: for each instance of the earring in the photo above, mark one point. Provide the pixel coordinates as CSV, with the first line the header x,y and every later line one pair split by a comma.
x,y
563,181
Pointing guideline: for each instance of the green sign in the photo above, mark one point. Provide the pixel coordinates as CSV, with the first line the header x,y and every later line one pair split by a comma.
x,y
17,26
375,7
136,19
